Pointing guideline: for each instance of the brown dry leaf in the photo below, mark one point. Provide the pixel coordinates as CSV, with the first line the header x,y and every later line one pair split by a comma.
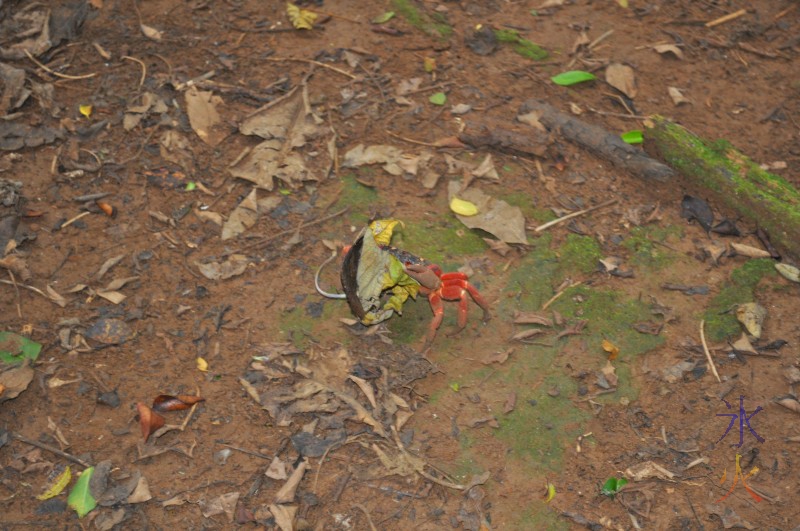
x,y
743,345
201,106
610,374
163,403
622,78
151,33
276,469
749,251
15,380
55,297
788,271
677,96
648,470
793,375
495,216
486,169
242,218
510,403
487,421
16,265
207,215
178,499
235,265
401,417
149,420
751,315
366,388
224,503
285,127
526,334
498,357
388,156
532,119
790,403
573,329
287,493
175,147
532,318
669,48
730,519
141,493
501,248
284,516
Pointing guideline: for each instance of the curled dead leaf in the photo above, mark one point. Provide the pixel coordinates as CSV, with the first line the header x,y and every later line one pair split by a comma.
x,y
752,316
149,420
163,403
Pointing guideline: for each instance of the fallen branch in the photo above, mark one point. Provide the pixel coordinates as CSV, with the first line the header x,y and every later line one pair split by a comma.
x,y
599,141
549,224
48,448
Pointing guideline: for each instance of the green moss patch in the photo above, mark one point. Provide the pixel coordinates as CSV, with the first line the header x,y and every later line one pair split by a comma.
x,y
720,318
358,197
431,24
522,46
641,242
439,241
579,254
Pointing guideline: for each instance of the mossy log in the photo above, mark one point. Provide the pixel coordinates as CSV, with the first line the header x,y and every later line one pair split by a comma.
x,y
763,198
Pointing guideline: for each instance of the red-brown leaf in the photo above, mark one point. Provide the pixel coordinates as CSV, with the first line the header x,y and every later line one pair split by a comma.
x,y
164,403
149,420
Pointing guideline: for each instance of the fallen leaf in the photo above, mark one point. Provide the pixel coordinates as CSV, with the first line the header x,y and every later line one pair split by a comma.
x,y
151,33
300,18
201,107
749,251
141,493
495,216
56,484
80,497
788,271
610,374
526,334
789,402
242,218
499,356
669,48
611,348
677,96
287,492
532,318
235,265
224,503
276,469
510,403
647,470
752,316
361,155
149,420
202,365
696,208
462,207
622,78
743,345
163,403
729,517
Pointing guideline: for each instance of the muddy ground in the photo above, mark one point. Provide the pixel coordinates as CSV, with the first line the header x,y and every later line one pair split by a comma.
x,y
147,108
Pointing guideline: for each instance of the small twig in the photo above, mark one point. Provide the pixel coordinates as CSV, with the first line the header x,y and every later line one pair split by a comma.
x,y
411,140
599,39
312,62
53,72
16,289
265,241
141,148
555,297
705,349
549,224
246,451
51,449
726,18
366,513
73,220
141,63
618,114
33,289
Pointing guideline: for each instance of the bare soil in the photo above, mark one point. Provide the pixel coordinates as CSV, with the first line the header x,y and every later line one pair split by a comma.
x,y
542,416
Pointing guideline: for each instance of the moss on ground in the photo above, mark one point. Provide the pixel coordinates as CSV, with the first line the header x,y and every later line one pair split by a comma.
x,y
432,24
358,197
579,254
522,46
720,318
641,242
440,241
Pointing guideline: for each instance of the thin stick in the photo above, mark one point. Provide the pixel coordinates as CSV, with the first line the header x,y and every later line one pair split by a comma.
x,y
726,18
73,220
51,449
53,72
16,289
705,349
265,241
141,63
411,140
549,224
618,114
599,39
246,451
555,297
366,513
312,62
33,289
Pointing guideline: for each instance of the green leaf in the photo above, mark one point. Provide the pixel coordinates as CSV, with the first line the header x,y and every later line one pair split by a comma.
x,y
190,186
438,99
80,498
14,349
632,137
385,17
573,77
613,485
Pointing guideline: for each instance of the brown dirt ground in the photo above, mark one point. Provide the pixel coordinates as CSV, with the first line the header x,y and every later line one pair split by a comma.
x,y
740,78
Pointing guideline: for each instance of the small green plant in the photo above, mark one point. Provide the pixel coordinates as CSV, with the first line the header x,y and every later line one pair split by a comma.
x,y
632,137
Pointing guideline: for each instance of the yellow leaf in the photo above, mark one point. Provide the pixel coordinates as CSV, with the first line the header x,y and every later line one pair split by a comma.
x,y
202,365
462,207
429,64
623,3
85,110
611,348
382,230
300,18
59,484
551,492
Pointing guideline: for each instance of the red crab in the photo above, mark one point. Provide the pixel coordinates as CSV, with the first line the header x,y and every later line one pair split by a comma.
x,y
438,287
